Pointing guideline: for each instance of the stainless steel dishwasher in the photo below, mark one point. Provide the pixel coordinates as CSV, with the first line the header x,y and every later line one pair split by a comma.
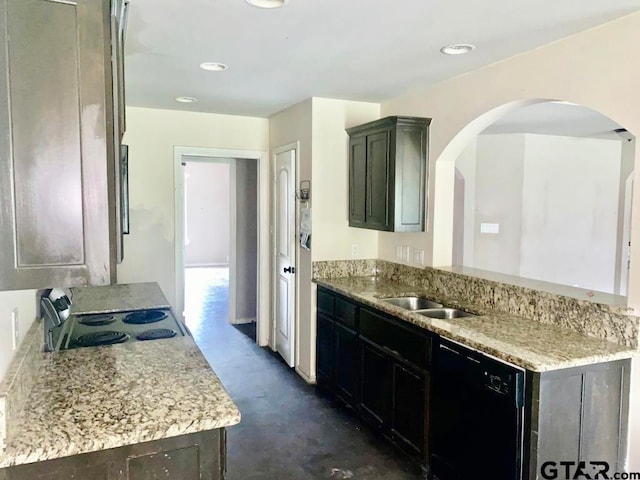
x,y
477,415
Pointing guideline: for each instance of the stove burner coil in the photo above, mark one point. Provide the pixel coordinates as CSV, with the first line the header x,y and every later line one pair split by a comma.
x,y
144,317
96,320
96,339
157,334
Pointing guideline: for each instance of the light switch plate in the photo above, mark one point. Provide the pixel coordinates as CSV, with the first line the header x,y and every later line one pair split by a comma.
x,y
405,253
418,257
355,250
489,228
398,252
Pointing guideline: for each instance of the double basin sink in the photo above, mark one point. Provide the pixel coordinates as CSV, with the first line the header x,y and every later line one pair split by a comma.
x,y
427,307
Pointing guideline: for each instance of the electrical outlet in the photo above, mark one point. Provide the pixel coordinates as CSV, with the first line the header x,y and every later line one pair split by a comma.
x,y
418,257
16,328
405,253
355,250
398,252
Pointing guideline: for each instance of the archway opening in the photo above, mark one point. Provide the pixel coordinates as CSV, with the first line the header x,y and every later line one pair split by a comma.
x,y
538,191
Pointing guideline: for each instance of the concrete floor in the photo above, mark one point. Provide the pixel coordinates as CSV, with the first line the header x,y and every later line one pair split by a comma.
x,y
288,431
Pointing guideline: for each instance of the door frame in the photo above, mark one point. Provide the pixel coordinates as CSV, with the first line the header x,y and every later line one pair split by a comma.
x,y
295,146
263,271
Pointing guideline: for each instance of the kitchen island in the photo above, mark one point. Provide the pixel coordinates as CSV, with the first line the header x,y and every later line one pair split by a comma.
x,y
126,410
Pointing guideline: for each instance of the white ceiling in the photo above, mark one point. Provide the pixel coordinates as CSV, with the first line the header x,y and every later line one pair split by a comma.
x,y
556,118
368,50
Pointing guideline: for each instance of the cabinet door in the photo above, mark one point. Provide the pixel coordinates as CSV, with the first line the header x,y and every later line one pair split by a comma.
x,y
346,364
410,178
54,220
74,467
408,418
378,213
357,181
375,384
324,351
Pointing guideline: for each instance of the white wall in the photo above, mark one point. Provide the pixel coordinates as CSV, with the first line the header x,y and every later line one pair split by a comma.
x,y
207,213
498,200
246,239
151,136
319,125
570,211
589,69
25,301
287,127
555,200
466,165
333,238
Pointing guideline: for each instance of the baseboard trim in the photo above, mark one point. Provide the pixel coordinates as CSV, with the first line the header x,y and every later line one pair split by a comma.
x,y
206,265
311,380
239,321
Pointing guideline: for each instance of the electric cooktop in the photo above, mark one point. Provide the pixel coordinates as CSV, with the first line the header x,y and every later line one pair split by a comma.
x,y
92,330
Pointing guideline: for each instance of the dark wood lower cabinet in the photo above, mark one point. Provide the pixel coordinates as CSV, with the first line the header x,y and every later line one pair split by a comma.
x,y
577,414
394,398
197,456
409,414
570,415
324,348
346,364
375,384
375,376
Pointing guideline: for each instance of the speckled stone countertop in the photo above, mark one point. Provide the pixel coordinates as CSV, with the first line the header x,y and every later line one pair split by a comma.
x,y
118,298
524,342
91,399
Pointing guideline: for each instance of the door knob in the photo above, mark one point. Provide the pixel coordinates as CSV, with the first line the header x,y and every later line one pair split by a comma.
x,y
289,270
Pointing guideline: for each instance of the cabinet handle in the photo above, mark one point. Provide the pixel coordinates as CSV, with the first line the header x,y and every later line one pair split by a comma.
x,y
449,349
388,350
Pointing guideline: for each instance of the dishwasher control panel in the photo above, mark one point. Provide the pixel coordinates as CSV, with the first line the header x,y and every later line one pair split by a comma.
x,y
487,373
497,383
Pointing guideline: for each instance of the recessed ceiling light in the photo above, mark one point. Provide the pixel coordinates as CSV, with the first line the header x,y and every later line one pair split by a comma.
x,y
185,99
213,66
458,49
267,3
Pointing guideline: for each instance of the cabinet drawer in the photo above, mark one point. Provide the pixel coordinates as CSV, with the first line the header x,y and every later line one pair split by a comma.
x,y
345,313
325,302
410,344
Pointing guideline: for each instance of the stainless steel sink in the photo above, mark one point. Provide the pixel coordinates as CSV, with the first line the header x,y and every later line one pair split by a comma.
x,y
412,303
445,313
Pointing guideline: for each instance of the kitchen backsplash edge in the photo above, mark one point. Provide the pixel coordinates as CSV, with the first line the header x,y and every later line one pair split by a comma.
x,y
589,318
19,380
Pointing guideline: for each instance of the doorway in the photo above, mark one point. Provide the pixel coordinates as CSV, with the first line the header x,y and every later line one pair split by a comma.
x,y
209,237
220,251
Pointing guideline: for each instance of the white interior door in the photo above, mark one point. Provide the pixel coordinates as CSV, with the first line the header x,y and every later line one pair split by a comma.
x,y
285,253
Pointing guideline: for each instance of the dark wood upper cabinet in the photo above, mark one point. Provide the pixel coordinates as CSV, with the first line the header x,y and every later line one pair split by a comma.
x,y
57,154
388,171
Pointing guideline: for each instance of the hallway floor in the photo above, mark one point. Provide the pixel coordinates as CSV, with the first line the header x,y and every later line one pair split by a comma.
x,y
288,431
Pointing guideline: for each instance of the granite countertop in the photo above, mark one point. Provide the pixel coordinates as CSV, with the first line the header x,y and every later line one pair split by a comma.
x,y
524,342
89,399
117,298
